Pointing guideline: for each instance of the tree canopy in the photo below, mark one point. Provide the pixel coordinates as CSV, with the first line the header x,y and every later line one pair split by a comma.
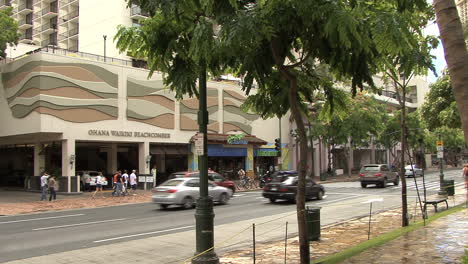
x,y
440,108
9,34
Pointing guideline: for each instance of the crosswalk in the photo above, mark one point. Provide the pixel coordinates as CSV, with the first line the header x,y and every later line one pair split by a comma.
x,y
431,185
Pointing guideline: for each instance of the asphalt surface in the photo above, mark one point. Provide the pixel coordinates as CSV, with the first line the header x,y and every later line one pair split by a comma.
x,y
46,233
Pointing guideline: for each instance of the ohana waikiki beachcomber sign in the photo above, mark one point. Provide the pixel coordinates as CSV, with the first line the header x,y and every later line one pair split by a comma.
x,y
119,133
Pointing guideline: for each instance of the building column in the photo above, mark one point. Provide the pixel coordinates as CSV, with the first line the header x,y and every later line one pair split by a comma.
x,y
193,159
68,162
249,166
112,159
143,157
350,158
39,159
372,154
317,157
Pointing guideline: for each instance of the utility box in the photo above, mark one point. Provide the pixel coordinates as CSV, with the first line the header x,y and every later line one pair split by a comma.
x,y
312,215
449,187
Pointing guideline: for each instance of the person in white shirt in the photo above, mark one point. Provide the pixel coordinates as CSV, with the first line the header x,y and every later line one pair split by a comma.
x,y
133,182
125,178
99,182
44,186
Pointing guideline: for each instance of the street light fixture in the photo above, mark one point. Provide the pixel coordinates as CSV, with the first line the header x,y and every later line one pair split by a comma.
x,y
105,37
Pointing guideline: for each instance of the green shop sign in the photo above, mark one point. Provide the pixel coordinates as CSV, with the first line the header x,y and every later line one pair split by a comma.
x,y
267,153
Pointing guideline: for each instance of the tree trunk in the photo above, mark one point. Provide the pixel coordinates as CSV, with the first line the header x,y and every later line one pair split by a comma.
x,y
404,202
300,197
456,56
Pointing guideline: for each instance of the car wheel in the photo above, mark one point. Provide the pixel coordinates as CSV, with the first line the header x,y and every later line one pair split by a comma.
x,y
320,195
363,185
384,183
272,200
224,198
163,206
188,203
396,181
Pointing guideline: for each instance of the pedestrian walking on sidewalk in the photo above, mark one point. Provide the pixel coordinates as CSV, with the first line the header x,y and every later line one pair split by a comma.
x,y
44,187
133,182
118,184
52,187
99,181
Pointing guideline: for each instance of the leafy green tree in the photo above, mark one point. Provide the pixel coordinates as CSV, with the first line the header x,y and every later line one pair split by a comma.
x,y
439,108
9,34
453,143
360,123
277,45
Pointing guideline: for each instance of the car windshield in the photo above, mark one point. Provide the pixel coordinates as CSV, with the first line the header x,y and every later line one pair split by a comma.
x,y
370,168
409,167
172,183
93,174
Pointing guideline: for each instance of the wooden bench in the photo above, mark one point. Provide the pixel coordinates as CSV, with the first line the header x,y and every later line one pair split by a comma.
x,y
434,202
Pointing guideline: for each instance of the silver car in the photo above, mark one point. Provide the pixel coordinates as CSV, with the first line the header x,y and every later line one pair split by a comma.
x,y
185,191
409,171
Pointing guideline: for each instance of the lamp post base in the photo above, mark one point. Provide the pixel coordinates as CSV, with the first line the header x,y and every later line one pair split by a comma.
x,y
204,216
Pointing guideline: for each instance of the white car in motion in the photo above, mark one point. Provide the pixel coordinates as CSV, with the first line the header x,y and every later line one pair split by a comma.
x,y
185,192
412,170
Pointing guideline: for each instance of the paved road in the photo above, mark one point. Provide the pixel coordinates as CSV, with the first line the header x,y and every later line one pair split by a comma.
x,y
41,234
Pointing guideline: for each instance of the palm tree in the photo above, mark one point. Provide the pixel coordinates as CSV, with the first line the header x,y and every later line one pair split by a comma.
x,y
451,32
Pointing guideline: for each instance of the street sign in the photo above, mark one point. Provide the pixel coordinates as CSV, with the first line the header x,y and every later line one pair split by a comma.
x,y
440,143
440,148
199,144
440,154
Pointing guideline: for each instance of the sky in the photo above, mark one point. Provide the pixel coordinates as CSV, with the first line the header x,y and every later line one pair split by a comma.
x,y
439,61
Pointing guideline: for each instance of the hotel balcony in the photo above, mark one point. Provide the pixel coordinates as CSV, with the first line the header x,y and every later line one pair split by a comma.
x,y
25,9
26,38
137,13
49,12
70,34
5,4
45,29
70,17
64,3
25,24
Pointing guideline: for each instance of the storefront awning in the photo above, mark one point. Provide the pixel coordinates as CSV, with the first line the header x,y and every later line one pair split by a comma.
x,y
223,139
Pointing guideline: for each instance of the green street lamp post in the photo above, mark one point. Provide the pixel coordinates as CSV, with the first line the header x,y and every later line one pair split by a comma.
x,y
441,172
204,214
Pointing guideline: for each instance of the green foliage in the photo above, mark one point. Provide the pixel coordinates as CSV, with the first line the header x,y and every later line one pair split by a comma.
x,y
9,31
440,108
362,119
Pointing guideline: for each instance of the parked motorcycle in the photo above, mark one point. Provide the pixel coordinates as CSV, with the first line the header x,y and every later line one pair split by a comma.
x,y
264,179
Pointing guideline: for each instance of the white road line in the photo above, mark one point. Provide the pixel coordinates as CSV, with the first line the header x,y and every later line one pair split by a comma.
x,y
143,234
80,224
325,202
42,218
354,194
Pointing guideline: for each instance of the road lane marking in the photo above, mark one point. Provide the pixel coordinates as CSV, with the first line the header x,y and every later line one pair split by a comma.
x,y
143,234
42,218
336,200
80,224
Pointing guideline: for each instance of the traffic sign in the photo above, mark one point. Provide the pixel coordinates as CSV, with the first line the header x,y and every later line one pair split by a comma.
x,y
440,148
440,143
440,154
199,144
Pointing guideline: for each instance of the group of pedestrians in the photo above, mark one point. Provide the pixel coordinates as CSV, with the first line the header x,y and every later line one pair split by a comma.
x,y
48,183
124,184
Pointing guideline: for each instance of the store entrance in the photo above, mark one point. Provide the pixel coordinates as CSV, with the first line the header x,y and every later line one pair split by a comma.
x,y
227,166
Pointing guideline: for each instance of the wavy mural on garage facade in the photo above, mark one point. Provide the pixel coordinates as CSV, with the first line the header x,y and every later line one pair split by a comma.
x,y
234,118
189,112
150,102
73,92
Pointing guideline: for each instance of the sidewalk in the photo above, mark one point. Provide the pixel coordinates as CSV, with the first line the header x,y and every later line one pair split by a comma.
x,y
443,241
